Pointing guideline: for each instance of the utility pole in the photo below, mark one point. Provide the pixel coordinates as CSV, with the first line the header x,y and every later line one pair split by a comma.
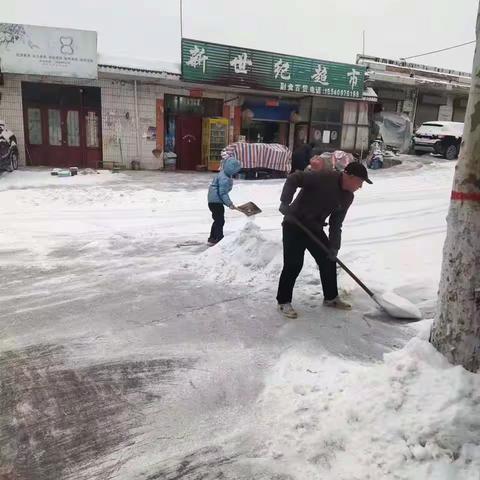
x,y
456,329
181,19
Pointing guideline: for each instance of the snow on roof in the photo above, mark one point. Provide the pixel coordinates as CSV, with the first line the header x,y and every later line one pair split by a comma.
x,y
361,59
415,80
138,64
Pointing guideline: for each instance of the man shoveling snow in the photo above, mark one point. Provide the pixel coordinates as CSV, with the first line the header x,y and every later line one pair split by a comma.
x,y
324,194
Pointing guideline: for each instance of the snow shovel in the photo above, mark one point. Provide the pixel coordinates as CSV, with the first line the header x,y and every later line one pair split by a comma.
x,y
249,209
394,305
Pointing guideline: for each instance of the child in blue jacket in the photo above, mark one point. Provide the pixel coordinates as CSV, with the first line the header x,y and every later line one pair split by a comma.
x,y
221,184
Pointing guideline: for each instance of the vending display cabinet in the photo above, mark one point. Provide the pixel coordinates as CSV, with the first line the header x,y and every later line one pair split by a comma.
x,y
214,140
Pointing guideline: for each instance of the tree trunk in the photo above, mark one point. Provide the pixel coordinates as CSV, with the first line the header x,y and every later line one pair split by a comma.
x,y
456,330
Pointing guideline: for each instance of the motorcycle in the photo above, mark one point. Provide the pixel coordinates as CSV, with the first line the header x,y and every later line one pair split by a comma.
x,y
376,155
8,149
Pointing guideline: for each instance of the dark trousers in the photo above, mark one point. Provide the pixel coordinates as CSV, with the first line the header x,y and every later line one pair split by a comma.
x,y
218,215
295,242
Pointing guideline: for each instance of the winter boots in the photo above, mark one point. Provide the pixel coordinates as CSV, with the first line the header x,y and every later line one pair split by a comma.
x,y
287,310
337,302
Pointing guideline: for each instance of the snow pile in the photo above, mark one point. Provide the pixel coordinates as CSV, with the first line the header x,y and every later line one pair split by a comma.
x,y
414,416
249,257
26,179
245,256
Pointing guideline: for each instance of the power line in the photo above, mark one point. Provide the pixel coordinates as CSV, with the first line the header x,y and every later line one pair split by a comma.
x,y
437,51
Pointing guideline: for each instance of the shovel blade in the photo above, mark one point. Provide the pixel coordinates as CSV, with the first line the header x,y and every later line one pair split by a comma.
x,y
397,307
249,209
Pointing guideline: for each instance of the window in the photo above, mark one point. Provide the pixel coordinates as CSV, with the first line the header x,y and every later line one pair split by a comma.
x,y
203,107
34,126
363,113
355,126
212,107
190,105
362,128
326,122
54,127
326,110
304,107
65,95
73,129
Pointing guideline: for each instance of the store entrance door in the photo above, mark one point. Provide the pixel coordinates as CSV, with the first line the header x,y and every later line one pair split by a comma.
x,y
62,125
188,142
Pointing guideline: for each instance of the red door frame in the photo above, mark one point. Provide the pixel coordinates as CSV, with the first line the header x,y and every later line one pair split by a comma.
x,y
181,132
92,155
62,155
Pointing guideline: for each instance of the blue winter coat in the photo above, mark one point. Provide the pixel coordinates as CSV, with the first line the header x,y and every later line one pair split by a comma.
x,y
222,183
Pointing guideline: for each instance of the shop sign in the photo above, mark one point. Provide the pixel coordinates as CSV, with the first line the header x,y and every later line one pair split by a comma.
x,y
196,92
204,62
274,102
28,49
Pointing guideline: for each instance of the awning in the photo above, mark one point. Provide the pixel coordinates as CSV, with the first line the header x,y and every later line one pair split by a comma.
x,y
369,95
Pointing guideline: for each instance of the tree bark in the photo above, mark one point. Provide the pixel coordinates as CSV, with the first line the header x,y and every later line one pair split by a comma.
x,y
456,329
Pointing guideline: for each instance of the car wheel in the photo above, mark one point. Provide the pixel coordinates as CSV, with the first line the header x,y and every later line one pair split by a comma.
x,y
14,160
451,152
419,152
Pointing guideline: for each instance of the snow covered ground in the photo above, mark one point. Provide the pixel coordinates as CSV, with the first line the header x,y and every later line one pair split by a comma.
x,y
130,351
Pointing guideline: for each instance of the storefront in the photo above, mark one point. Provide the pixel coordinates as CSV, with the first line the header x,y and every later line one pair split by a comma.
x,y
62,125
48,97
308,100
195,130
69,106
421,92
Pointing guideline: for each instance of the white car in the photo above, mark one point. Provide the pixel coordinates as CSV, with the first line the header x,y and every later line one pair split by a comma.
x,y
443,138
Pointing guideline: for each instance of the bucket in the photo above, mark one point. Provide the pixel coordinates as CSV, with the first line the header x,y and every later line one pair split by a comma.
x,y
170,161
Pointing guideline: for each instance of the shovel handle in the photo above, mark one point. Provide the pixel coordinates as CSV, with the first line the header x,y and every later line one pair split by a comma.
x,y
314,238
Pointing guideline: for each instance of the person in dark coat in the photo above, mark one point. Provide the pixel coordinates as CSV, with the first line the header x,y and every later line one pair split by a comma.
x,y
301,156
323,195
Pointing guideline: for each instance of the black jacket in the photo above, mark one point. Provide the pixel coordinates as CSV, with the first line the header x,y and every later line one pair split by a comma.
x,y
301,157
321,196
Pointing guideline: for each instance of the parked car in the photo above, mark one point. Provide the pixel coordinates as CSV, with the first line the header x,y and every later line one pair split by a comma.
x,y
8,149
443,138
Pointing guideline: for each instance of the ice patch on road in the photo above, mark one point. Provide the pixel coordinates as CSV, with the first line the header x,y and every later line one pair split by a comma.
x,y
413,416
